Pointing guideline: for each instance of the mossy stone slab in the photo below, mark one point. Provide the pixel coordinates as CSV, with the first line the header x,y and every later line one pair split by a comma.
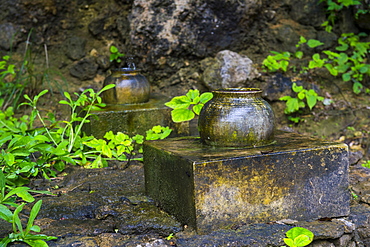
x,y
134,119
209,188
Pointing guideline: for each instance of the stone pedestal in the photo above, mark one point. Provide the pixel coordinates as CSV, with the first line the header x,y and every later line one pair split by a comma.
x,y
135,119
211,188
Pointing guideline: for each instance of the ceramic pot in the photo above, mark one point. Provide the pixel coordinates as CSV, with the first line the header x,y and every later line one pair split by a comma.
x,y
237,118
131,87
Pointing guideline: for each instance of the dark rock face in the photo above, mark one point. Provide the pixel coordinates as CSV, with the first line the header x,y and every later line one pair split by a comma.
x,y
84,69
75,47
197,28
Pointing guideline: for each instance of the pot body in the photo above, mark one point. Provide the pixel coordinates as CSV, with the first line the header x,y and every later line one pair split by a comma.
x,y
131,87
237,118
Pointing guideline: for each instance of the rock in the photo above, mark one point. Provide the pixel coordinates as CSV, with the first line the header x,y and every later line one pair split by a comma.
x,y
329,39
363,21
228,70
345,240
360,216
322,243
260,235
84,69
96,27
9,36
324,229
103,62
189,27
276,87
354,157
287,33
308,12
75,47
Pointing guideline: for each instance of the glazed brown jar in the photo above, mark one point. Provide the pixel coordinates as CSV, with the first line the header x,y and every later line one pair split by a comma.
x,y
237,118
131,87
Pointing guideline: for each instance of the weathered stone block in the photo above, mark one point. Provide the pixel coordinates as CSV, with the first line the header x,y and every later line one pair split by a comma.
x,y
134,119
209,188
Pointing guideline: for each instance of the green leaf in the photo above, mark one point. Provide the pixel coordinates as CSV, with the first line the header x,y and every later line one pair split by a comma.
x,y
330,68
311,101
296,231
35,228
343,47
285,98
302,40
6,214
36,243
106,151
9,158
4,138
5,241
292,105
296,88
301,95
192,94
302,240
63,102
113,49
346,76
179,102
60,165
98,163
284,65
198,108
205,97
181,115
16,190
364,69
16,219
357,87
26,196
107,87
298,54
289,242
312,43
2,180
34,211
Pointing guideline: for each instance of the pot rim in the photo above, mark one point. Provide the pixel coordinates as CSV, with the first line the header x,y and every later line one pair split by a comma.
x,y
124,69
238,90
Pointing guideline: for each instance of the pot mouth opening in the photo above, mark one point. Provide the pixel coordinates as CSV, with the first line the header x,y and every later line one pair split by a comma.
x,y
238,90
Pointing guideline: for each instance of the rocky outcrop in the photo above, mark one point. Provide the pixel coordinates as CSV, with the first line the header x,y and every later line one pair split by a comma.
x,y
168,38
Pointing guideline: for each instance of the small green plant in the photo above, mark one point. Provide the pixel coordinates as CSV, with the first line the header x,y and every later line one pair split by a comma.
x,y
123,147
10,90
169,237
115,54
303,95
281,60
19,234
298,236
335,6
366,164
187,106
354,195
348,61
278,61
28,151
